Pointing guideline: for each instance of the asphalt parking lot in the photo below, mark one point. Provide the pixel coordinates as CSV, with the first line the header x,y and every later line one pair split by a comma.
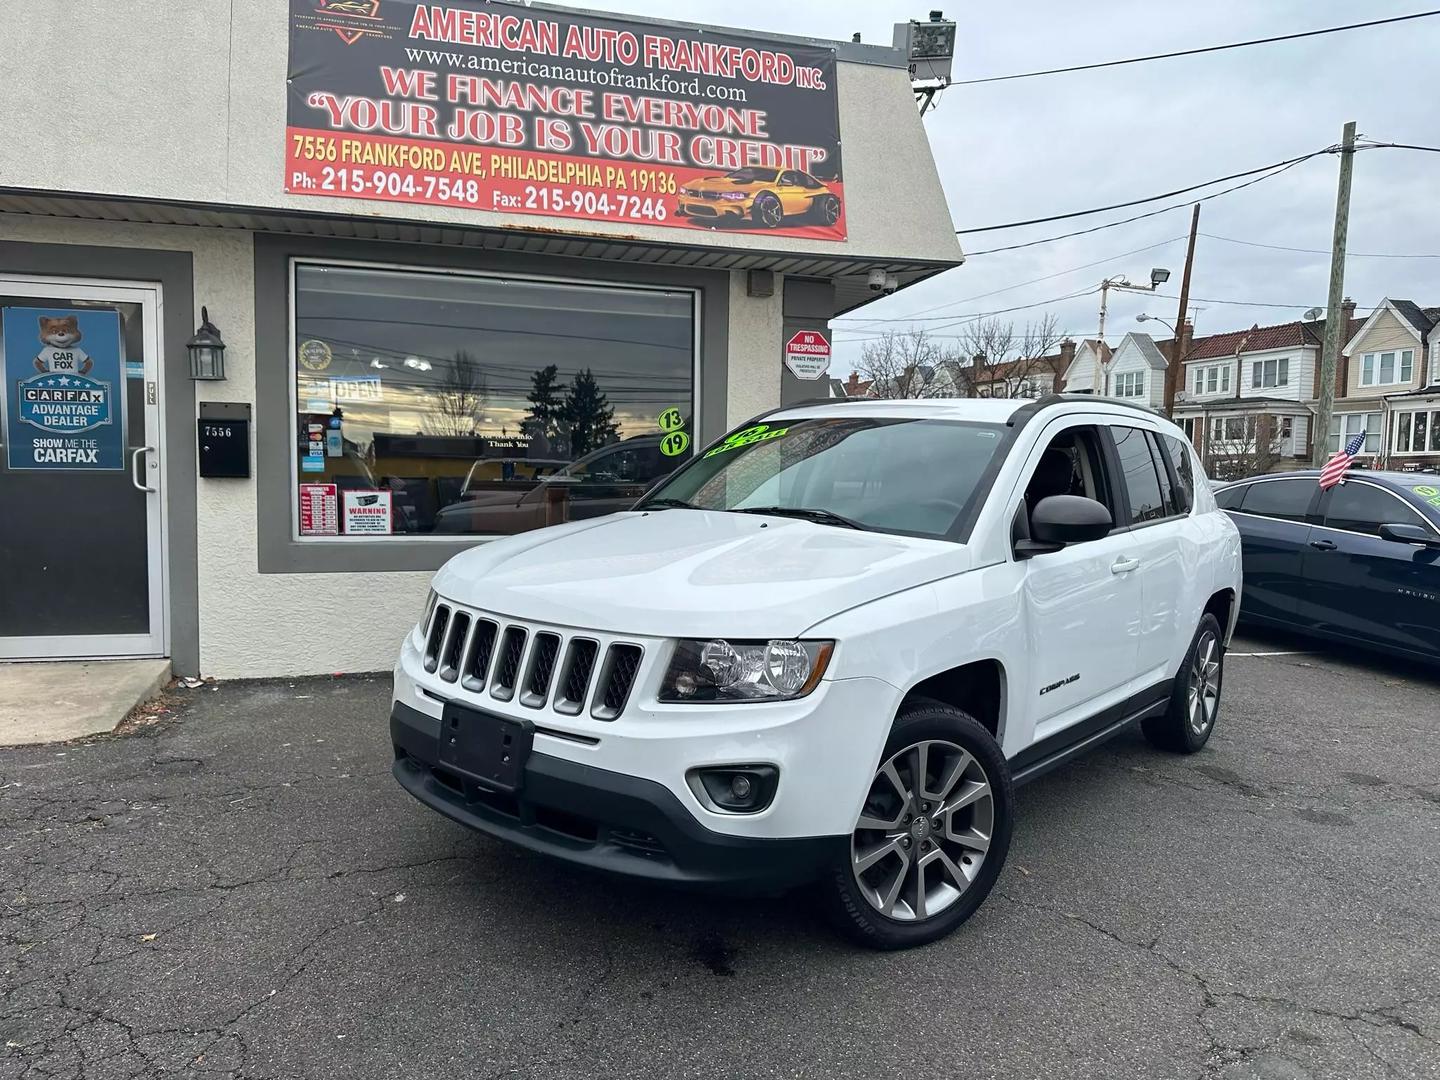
x,y
242,890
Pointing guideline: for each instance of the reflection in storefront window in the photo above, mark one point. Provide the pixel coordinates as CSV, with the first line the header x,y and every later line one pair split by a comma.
x,y
437,403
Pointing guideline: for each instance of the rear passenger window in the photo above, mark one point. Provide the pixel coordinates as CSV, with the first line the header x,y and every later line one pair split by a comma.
x,y
1361,508
1142,479
1284,499
1229,498
1184,472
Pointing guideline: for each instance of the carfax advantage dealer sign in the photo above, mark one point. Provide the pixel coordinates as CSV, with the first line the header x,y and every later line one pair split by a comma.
x,y
522,110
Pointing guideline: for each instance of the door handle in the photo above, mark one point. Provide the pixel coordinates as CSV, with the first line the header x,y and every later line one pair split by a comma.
x,y
1323,545
136,467
1123,565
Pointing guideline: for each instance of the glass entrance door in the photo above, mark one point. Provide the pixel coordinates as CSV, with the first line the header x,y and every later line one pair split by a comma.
x,y
82,569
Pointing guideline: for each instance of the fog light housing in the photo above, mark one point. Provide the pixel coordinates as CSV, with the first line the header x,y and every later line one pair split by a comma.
x,y
735,789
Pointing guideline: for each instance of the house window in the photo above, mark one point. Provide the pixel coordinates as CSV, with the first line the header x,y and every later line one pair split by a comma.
x,y
1212,380
1231,429
1130,384
1417,432
1349,425
1387,368
1269,373
449,404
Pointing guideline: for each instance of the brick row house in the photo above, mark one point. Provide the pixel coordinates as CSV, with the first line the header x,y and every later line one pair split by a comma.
x,y
1390,378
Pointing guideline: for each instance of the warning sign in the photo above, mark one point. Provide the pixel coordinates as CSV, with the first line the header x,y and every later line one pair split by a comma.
x,y
807,354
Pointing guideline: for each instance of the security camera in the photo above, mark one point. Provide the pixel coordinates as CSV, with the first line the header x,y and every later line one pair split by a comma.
x,y
891,283
877,280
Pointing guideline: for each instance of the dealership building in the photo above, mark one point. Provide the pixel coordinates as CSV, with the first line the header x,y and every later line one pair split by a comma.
x,y
299,299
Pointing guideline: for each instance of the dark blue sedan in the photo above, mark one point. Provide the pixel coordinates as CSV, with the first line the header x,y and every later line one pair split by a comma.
x,y
1358,563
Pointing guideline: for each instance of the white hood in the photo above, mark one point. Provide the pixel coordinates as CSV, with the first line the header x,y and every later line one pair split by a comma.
x,y
692,573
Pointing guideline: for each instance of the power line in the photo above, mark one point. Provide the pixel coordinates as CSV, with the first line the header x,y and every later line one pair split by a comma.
x,y
1138,202
1317,251
1152,213
1195,52
1022,284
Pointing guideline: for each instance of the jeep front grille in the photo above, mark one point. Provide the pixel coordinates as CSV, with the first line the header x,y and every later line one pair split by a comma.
x,y
540,668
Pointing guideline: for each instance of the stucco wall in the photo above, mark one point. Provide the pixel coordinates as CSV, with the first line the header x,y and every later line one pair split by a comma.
x,y
756,328
189,103
254,624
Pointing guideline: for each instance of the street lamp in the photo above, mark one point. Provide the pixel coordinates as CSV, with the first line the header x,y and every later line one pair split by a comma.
x,y
1158,276
1142,317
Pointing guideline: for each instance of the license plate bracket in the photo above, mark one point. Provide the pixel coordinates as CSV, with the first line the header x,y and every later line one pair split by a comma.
x,y
490,749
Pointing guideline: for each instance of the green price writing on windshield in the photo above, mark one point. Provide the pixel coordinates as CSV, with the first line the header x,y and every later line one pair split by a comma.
x,y
747,437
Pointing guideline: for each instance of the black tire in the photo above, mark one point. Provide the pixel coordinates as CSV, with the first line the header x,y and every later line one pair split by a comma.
x,y
922,721
1179,730
826,210
767,212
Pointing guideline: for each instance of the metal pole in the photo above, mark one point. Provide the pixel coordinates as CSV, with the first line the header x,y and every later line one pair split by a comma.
x,y
1334,317
1175,369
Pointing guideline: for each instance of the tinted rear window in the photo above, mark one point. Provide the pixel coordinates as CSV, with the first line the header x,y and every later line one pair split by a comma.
x,y
1284,499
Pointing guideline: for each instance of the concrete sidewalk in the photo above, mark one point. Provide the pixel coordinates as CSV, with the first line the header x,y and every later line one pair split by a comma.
x,y
45,702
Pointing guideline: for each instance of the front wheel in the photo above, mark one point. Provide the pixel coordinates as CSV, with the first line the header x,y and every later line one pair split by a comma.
x,y
767,212
1194,707
827,209
932,834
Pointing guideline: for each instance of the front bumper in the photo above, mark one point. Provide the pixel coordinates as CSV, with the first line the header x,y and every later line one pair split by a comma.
x,y
715,208
600,819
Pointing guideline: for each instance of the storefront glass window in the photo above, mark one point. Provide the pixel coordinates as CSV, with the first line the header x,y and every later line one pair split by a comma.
x,y
445,404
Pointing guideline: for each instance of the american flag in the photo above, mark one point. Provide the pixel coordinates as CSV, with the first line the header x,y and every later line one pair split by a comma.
x,y
1334,470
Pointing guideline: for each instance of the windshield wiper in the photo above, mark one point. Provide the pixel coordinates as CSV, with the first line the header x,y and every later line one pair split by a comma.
x,y
668,504
820,517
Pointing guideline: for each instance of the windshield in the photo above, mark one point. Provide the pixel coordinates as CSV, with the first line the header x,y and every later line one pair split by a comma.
x,y
752,175
910,476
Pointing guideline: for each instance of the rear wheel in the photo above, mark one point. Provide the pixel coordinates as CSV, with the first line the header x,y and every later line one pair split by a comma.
x,y
767,211
932,834
1195,700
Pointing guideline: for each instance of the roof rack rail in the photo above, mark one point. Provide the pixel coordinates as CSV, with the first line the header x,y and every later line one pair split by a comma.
x,y
808,403
1021,416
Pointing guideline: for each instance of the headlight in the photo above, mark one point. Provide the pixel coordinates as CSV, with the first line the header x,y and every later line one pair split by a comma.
x,y
718,670
734,196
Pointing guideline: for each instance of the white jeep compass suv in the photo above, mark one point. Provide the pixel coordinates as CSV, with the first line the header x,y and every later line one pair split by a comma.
x,y
826,649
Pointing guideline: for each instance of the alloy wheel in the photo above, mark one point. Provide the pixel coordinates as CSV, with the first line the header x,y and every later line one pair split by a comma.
x,y
1204,688
830,210
923,832
771,212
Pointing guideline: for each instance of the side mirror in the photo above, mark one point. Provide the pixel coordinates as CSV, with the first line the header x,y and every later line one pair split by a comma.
x,y
1410,534
1064,519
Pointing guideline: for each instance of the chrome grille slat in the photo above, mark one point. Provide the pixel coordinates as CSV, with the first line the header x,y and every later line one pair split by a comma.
x,y
436,636
477,657
617,679
574,679
507,663
577,674
454,647
543,654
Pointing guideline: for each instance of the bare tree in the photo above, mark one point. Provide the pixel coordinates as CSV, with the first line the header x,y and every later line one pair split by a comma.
x,y
1000,361
906,364
459,398
1246,446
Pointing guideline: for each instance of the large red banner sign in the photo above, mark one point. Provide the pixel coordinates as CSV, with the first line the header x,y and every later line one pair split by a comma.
x,y
498,107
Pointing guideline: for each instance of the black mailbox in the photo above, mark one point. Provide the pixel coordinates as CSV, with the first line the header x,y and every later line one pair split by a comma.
x,y
223,433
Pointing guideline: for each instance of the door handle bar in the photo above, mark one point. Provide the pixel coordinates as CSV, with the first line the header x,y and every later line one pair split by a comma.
x,y
135,467
1323,545
1123,566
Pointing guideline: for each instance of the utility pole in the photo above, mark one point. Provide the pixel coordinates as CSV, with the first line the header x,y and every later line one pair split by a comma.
x,y
1176,367
1334,331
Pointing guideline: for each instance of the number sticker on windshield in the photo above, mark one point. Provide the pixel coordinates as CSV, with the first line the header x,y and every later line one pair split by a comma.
x,y
1430,494
746,437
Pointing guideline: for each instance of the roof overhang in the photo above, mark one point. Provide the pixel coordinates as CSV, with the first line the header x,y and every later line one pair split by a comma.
x,y
850,273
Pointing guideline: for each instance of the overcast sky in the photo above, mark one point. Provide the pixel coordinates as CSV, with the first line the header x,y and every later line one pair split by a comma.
x,y
1033,147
